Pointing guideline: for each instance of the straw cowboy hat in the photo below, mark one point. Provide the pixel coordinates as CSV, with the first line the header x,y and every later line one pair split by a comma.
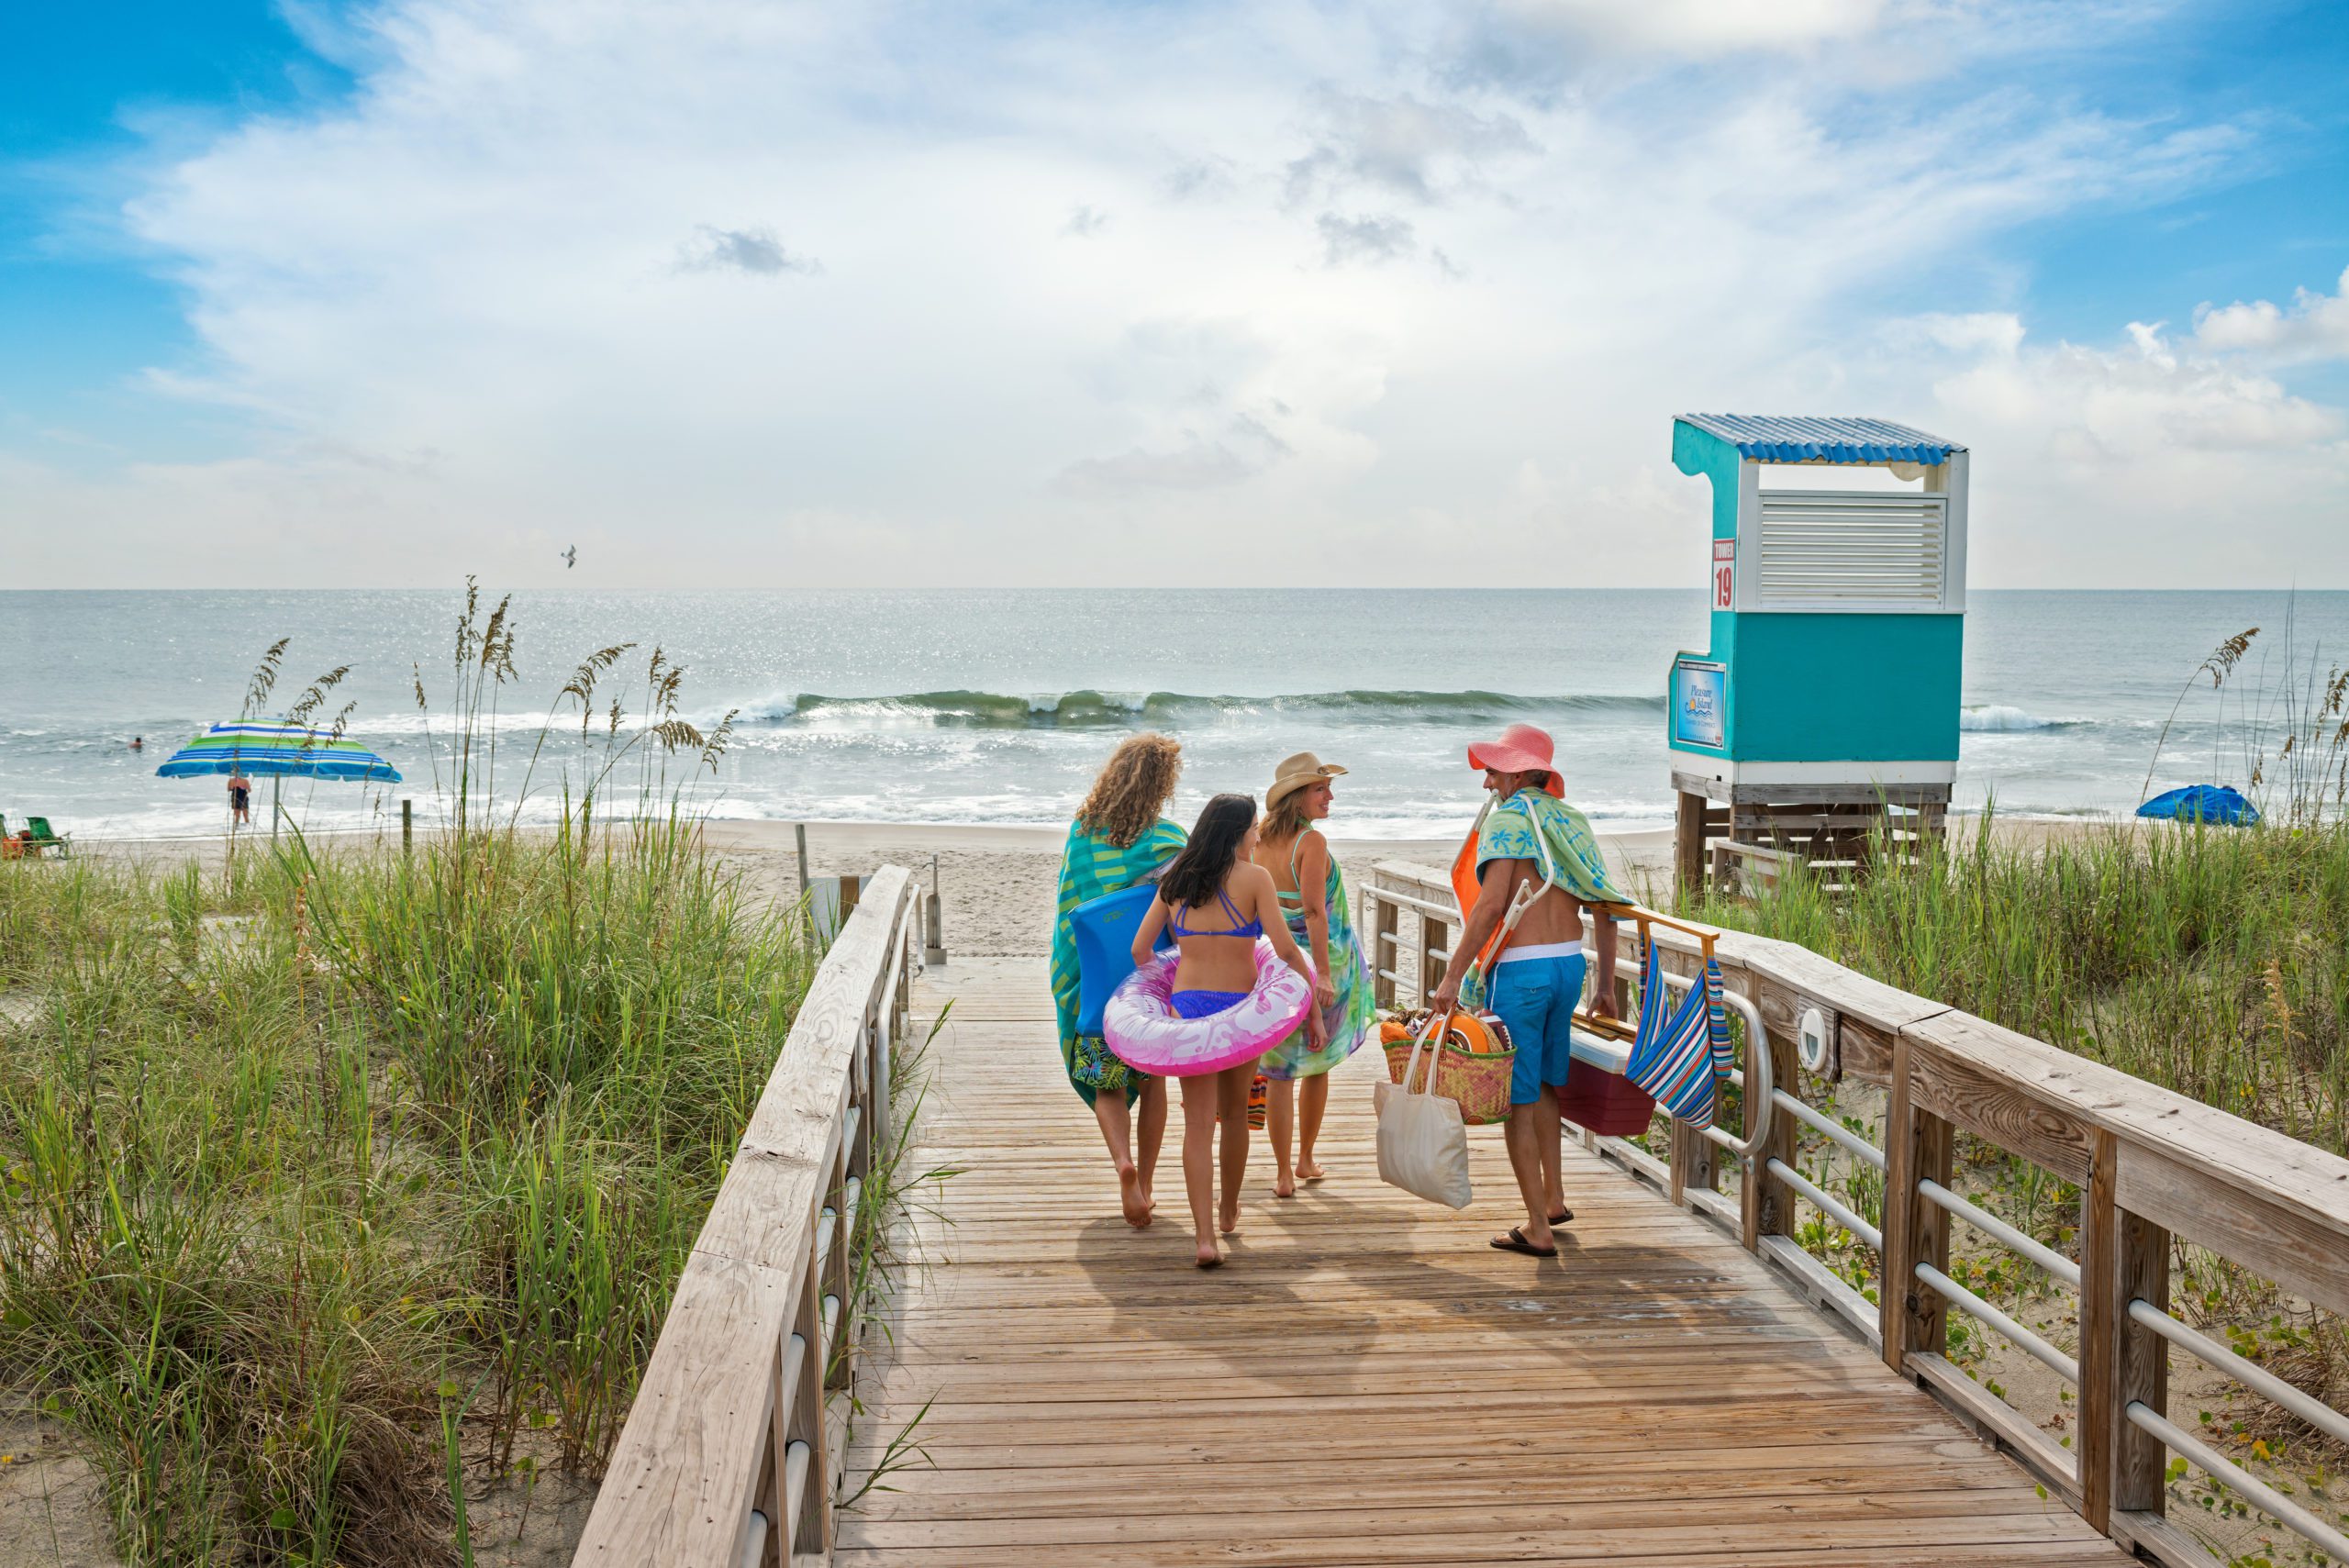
x,y
1295,773
1522,749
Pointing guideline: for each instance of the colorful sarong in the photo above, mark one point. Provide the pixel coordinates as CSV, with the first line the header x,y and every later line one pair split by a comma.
x,y
1350,1016
1091,866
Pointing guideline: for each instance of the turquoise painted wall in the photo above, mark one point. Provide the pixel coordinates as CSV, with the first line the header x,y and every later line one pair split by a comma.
x,y
1702,454
1818,688
1806,688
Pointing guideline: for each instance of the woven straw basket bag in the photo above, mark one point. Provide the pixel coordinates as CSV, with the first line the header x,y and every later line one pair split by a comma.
x,y
1473,1060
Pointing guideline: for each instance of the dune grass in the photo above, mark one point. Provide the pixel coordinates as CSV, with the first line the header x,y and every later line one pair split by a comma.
x,y
2211,960
330,1185
302,1157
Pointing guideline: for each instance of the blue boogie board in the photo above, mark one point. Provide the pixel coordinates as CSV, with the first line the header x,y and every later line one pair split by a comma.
x,y
1104,929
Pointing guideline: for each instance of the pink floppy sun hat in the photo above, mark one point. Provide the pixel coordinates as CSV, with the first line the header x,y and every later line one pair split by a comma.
x,y
1522,749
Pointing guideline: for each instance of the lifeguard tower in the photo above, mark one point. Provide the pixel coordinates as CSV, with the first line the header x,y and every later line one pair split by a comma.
x,y
1828,703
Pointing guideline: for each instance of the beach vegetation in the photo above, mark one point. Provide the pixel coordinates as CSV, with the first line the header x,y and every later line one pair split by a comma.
x,y
340,1186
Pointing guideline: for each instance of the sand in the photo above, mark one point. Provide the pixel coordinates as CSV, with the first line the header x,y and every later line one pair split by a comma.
x,y
996,885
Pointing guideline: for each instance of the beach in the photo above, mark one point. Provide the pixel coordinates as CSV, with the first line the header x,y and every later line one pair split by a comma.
x,y
996,885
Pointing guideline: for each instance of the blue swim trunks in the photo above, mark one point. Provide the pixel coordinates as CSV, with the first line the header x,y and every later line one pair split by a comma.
x,y
1536,998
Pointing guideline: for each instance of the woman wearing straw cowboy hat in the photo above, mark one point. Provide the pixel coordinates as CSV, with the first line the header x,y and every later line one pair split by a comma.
x,y
1313,901
1537,980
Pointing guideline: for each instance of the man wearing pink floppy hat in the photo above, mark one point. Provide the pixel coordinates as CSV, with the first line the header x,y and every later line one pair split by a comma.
x,y
1536,981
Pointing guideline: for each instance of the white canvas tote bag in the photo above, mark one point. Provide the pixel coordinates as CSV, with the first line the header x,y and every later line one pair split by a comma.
x,y
1422,1142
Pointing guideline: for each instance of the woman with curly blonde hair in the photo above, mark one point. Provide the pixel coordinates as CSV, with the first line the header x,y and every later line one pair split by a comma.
x,y
1119,839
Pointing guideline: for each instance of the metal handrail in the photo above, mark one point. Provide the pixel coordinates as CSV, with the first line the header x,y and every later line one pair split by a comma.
x,y
1989,1224
2243,1370
2038,1350
2145,1419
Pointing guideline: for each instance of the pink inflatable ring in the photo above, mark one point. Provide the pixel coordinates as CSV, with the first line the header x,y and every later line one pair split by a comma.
x,y
1142,1028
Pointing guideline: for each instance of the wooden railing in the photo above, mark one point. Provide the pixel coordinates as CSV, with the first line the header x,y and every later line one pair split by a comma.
x,y
2151,1165
732,1450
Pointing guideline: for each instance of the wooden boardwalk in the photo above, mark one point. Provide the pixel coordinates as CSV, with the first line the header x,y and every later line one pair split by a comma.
x,y
1365,1382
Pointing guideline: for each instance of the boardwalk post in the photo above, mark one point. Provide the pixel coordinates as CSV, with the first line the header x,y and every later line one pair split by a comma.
x,y
1386,951
407,824
815,1522
1918,1147
1432,930
1767,1206
1688,842
2122,1258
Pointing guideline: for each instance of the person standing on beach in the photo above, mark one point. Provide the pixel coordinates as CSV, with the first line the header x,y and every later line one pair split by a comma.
x,y
241,800
1537,981
1117,840
1312,892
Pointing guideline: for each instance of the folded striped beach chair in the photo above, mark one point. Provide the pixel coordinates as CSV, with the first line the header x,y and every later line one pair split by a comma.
x,y
1681,1047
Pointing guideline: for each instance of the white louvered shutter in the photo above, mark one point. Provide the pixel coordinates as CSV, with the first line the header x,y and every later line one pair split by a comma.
x,y
1832,549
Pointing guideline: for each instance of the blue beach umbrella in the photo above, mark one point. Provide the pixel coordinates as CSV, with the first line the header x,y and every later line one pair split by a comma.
x,y
2202,803
274,749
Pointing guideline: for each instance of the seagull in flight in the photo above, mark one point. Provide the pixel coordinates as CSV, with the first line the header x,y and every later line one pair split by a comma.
x,y
571,556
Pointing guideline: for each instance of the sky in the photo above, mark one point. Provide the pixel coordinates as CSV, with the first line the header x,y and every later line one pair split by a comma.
x,y
762,295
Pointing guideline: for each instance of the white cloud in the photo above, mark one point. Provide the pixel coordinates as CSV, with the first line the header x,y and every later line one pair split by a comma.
x,y
1401,146
452,316
754,251
2315,327
2144,462
1696,26
1373,236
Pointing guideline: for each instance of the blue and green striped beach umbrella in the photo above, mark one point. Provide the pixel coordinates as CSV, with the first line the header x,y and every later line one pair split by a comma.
x,y
273,749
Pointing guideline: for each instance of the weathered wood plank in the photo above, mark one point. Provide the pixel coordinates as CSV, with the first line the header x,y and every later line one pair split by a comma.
x,y
680,1483
1085,1388
2284,1242
2001,1109
703,1440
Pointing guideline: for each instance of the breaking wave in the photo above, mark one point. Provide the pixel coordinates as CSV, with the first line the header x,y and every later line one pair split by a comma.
x,y
1998,718
1088,709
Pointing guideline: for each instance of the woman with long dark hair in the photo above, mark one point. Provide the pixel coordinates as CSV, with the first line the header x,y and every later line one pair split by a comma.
x,y
1219,903
1117,840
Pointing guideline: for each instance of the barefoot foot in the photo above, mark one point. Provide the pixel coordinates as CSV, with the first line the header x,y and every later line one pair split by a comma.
x,y
1284,1185
1208,1258
1130,1196
1310,1170
1228,1221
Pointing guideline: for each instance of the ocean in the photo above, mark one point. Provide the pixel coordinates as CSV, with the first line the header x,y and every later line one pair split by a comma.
x,y
996,707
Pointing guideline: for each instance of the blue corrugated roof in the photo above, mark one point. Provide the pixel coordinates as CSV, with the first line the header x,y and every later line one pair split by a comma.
x,y
1783,438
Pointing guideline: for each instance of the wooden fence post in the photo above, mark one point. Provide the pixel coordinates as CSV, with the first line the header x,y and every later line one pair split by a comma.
x,y
2122,1258
1688,843
407,824
1767,1203
1431,929
1384,955
1692,1164
1918,1146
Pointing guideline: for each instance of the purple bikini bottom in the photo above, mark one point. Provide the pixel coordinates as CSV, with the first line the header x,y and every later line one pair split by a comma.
x,y
1201,1004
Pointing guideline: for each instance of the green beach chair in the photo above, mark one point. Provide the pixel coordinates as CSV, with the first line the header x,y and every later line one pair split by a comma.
x,y
38,835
